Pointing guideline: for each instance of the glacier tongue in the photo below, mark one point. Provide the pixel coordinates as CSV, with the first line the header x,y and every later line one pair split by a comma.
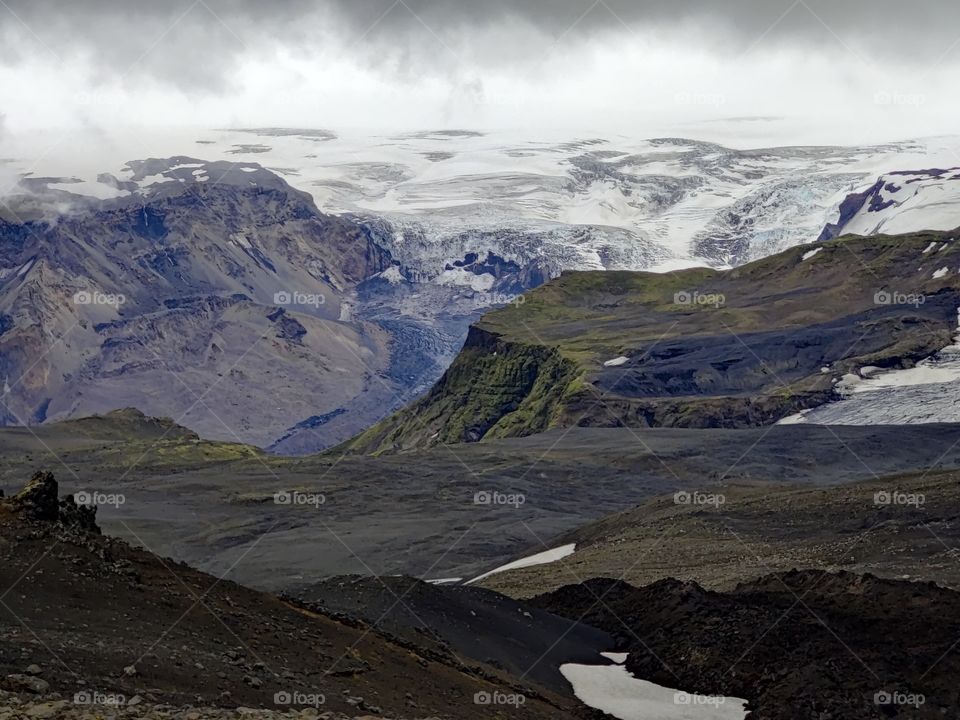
x,y
926,393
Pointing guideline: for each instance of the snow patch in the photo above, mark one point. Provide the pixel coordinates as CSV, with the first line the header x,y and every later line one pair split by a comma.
x,y
241,240
155,180
795,419
542,558
392,275
810,253
616,362
461,277
613,690
618,658
940,273
26,267
929,248
847,384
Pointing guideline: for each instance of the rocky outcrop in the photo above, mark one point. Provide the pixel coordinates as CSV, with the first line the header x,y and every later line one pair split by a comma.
x,y
40,500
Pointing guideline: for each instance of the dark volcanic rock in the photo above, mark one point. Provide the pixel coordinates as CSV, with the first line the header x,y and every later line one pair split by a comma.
x,y
467,622
797,645
39,498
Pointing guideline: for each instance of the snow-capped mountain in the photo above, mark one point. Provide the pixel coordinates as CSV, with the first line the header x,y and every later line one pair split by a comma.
x,y
435,198
902,201
448,224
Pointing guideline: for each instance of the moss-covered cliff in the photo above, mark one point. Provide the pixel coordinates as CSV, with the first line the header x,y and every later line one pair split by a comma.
x,y
693,348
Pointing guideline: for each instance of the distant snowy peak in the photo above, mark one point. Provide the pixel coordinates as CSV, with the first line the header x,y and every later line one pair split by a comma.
x,y
901,202
547,204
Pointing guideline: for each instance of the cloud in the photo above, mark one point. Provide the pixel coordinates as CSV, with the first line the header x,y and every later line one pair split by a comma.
x,y
195,44
488,63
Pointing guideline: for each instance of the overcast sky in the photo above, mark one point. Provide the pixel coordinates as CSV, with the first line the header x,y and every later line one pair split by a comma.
x,y
876,70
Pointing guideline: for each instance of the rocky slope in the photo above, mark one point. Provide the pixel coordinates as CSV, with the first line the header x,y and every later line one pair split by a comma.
x,y
719,534
92,618
693,348
466,621
802,645
217,294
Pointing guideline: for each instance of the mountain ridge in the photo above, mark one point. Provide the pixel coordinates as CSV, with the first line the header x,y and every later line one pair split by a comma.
x,y
692,348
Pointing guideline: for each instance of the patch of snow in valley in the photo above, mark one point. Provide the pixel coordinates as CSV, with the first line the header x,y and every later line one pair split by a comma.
x,y
26,267
613,690
617,362
810,253
542,558
937,274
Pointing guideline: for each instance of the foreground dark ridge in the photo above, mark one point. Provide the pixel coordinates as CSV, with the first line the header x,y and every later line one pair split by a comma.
x,y
802,645
696,348
86,613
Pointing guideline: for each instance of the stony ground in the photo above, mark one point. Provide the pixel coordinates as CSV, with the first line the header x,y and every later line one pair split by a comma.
x,y
15,706
88,614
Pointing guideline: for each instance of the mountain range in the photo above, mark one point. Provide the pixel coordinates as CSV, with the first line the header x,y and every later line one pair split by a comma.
x,y
248,314
622,497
